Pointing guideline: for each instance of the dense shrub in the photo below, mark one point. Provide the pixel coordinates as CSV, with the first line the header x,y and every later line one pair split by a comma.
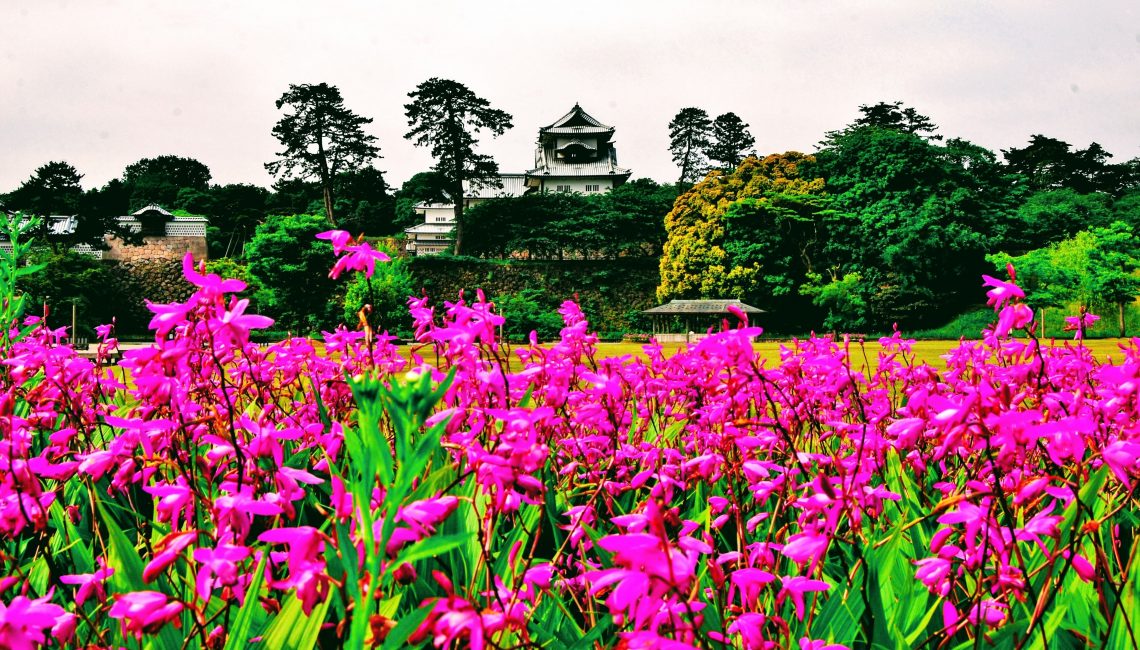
x,y
292,271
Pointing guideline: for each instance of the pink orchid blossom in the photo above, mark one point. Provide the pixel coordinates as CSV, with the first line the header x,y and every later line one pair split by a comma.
x,y
142,612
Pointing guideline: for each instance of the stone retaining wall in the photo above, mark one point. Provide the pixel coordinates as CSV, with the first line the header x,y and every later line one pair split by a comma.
x,y
156,248
610,292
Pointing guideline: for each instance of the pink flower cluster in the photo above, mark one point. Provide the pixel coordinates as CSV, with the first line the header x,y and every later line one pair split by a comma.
x,y
704,498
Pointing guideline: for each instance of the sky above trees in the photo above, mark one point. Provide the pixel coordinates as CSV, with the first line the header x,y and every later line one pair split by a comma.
x,y
101,84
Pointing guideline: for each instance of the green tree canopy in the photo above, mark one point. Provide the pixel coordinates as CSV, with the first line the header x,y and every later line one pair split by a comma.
x,y
751,234
423,187
1094,268
69,278
627,221
295,196
364,203
234,211
158,180
690,135
447,117
291,267
1049,216
916,218
894,116
53,188
731,141
321,138
1051,164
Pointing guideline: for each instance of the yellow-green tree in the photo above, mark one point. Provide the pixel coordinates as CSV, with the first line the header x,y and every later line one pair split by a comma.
x,y
743,234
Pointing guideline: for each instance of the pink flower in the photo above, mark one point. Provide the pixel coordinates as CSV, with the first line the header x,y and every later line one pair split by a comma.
x,y
338,238
23,621
169,549
1013,317
750,627
218,567
795,587
1123,460
1002,292
305,560
1080,323
144,611
990,612
167,316
212,284
806,547
90,583
358,258
236,324
932,572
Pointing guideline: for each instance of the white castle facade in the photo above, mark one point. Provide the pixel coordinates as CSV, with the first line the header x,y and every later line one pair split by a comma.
x,y
574,154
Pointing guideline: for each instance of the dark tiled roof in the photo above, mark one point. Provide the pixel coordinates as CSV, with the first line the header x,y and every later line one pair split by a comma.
x,y
704,307
582,116
576,130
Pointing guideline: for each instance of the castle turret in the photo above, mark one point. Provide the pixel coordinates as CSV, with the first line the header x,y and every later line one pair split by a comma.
x,y
576,154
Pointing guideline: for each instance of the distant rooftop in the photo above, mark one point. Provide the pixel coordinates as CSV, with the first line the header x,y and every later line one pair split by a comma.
x,y
699,307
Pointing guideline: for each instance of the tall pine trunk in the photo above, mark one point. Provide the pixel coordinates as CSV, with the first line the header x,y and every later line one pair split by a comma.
x,y
329,205
458,222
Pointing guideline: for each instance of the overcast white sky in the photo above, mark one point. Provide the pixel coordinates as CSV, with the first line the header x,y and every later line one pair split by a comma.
x,y
103,83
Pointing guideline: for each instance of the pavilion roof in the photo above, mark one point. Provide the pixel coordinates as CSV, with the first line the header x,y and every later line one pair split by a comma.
x,y
701,307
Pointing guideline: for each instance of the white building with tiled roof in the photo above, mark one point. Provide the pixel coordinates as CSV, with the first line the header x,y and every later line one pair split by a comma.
x,y
164,235
435,235
574,154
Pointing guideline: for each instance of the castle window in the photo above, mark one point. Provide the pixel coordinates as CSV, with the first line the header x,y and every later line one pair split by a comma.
x,y
593,188
563,188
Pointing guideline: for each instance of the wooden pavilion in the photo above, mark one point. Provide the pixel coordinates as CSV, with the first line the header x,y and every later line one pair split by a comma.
x,y
699,314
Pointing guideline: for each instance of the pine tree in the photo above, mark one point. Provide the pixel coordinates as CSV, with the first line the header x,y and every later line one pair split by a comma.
x,y
322,138
732,141
446,116
689,140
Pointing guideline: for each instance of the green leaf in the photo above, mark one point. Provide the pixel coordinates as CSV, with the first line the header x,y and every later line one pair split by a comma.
x,y
238,634
428,548
398,637
81,556
122,556
525,522
292,629
587,642
1125,630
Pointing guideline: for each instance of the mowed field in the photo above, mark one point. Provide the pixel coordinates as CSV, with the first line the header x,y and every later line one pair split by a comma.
x,y
930,352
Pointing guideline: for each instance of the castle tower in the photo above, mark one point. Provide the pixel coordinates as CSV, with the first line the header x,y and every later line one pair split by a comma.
x,y
575,154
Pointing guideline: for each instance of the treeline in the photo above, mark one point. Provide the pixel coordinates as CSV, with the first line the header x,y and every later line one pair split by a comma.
x,y
887,222
890,223
364,200
624,222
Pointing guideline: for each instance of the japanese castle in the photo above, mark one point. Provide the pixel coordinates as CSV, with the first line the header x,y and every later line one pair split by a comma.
x,y
574,154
